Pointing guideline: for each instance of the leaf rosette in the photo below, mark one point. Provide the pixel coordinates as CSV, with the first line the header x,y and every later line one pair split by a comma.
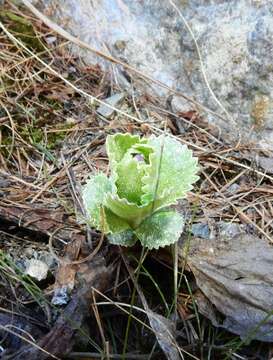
x,y
147,176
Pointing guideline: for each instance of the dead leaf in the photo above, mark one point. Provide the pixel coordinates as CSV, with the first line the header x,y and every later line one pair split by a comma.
x,y
165,333
236,275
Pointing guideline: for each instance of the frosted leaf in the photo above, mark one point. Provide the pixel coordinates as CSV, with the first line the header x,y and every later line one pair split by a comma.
x,y
94,194
171,173
125,238
146,175
161,229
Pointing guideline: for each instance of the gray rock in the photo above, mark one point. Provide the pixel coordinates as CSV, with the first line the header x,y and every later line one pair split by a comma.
x,y
266,163
228,230
233,188
61,296
200,230
51,39
235,38
113,100
37,269
225,230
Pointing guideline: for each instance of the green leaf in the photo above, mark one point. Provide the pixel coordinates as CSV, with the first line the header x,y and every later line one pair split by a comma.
x,y
94,194
144,150
129,178
117,146
125,238
127,170
114,224
171,173
161,229
130,212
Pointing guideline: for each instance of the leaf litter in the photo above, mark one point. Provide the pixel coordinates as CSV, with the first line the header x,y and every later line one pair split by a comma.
x,y
235,275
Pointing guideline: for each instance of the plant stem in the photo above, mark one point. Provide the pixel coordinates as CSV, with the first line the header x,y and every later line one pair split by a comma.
x,y
132,304
175,276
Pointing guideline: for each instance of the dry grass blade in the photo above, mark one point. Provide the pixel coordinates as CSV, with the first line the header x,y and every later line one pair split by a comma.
x,y
32,343
75,40
133,118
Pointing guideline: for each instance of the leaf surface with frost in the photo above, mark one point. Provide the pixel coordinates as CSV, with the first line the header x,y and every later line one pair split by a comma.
x,y
147,176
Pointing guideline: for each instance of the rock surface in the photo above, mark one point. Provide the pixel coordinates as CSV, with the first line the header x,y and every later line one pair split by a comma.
x,y
235,39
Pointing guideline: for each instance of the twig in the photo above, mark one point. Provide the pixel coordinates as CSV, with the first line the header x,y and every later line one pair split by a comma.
x,y
75,262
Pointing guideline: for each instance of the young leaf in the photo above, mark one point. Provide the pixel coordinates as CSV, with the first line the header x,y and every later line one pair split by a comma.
x,y
132,213
114,224
117,146
130,172
94,194
160,229
171,173
146,175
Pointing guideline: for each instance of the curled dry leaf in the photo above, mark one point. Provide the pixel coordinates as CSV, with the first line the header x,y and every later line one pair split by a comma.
x,y
236,276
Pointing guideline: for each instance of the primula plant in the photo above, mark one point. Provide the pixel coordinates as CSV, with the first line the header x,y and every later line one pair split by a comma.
x,y
147,176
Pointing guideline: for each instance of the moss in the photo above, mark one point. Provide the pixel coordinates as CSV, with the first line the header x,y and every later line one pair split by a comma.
x,y
35,135
55,138
53,104
6,142
22,29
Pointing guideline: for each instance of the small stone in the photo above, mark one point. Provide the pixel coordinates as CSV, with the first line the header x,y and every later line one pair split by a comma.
x,y
51,39
233,188
229,230
200,230
5,183
71,121
266,163
37,269
61,296
114,100
71,70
